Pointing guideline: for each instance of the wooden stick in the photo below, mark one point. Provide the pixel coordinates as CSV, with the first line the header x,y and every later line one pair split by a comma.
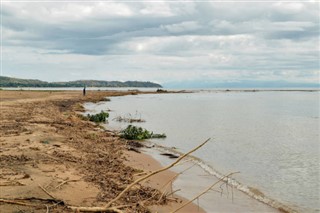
x,y
153,173
64,182
36,198
140,173
171,193
79,209
15,202
47,192
12,183
205,191
95,209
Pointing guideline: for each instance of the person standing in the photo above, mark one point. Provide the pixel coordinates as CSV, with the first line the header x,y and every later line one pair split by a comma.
x,y
84,91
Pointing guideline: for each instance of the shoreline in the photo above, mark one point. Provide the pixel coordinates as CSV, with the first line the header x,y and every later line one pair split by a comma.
x,y
245,191
162,181
49,157
68,109
158,121
248,199
241,198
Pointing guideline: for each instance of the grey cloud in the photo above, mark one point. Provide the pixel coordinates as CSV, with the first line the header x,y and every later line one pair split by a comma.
x,y
270,37
103,32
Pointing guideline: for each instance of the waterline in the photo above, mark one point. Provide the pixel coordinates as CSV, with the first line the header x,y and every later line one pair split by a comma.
x,y
272,138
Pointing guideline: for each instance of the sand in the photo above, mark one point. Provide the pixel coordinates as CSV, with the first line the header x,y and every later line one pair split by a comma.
x,y
52,159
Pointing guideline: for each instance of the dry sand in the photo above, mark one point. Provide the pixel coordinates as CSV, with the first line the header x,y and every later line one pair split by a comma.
x,y
50,158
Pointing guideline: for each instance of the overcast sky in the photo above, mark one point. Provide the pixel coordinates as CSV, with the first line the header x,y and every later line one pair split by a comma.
x,y
161,41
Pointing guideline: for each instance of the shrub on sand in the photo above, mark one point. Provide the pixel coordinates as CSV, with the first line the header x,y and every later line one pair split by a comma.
x,y
138,133
100,117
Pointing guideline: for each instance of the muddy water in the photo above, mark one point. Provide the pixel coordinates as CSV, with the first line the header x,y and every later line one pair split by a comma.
x,y
272,138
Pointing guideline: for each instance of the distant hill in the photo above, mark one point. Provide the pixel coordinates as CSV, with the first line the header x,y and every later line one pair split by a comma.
x,y
17,82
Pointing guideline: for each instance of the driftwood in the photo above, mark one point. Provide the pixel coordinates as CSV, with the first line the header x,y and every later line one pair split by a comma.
x,y
15,202
108,207
18,201
94,209
12,183
21,202
49,200
154,173
115,209
43,189
64,182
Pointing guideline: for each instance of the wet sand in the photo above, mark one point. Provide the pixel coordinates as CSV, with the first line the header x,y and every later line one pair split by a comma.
x,y
222,198
162,181
52,159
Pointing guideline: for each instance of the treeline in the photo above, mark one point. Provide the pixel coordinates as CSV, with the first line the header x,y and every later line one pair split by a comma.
x,y
16,82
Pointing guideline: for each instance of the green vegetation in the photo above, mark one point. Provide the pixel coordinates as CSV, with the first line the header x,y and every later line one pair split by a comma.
x,y
100,117
16,82
138,133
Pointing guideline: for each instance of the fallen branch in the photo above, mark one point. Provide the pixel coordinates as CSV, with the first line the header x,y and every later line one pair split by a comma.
x,y
15,202
47,192
153,173
140,173
12,183
109,209
64,182
36,198
205,191
171,193
114,209
95,209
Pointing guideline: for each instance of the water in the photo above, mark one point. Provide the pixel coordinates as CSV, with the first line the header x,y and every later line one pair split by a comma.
x,y
271,137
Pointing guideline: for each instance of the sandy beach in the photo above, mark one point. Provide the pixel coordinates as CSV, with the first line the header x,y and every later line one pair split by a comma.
x,y
54,161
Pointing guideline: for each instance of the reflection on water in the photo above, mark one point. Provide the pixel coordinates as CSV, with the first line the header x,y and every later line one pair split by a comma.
x,y
272,137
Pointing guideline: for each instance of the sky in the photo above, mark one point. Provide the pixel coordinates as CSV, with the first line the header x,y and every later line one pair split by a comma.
x,y
168,42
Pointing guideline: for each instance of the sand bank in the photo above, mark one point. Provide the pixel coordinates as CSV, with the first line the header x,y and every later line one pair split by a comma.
x,y
51,159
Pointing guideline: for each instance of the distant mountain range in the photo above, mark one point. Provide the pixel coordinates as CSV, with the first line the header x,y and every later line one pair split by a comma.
x,y
17,82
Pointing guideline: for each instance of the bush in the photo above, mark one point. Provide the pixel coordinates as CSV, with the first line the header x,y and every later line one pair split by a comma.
x,y
100,117
138,133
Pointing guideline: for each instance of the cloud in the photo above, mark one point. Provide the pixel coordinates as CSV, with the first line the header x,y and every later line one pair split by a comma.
x,y
160,40
183,27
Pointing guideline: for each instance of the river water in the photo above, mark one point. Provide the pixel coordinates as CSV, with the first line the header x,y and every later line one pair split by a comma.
x,y
271,137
